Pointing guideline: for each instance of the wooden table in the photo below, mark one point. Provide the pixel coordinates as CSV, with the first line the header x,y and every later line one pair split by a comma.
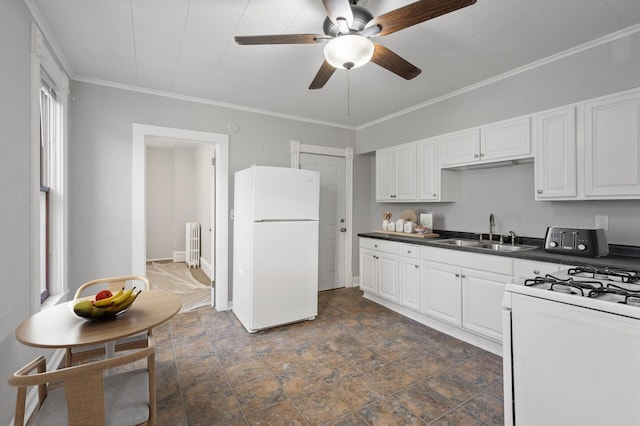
x,y
59,327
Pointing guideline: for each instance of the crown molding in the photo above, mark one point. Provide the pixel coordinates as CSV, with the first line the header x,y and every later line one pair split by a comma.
x,y
533,65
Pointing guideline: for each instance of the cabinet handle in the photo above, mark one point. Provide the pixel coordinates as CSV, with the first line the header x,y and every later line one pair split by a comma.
x,y
482,154
475,156
435,195
463,275
457,275
536,272
409,251
416,266
539,191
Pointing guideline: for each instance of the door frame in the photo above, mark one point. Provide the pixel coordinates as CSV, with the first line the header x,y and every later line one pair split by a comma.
x,y
298,148
220,143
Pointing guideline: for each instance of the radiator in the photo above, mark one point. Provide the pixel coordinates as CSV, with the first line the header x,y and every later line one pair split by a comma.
x,y
192,245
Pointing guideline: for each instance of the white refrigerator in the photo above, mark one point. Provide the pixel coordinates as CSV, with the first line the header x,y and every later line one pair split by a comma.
x,y
275,246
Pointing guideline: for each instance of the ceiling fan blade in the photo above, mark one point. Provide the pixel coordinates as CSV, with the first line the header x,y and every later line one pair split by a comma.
x,y
339,11
280,39
394,63
416,13
324,74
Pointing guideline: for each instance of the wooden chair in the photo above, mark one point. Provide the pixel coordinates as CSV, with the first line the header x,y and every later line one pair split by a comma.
x,y
80,354
87,395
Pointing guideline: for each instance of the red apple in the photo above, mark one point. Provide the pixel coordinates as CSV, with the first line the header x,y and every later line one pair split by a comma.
x,y
103,294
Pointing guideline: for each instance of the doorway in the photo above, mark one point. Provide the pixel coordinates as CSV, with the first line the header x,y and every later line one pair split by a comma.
x,y
336,193
220,200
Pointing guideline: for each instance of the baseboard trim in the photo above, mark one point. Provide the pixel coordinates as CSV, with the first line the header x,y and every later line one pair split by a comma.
x,y
453,331
206,267
179,256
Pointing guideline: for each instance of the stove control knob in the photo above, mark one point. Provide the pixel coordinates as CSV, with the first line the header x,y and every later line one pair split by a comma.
x,y
553,244
582,247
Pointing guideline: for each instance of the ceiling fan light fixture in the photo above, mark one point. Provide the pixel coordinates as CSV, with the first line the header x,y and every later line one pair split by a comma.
x,y
348,51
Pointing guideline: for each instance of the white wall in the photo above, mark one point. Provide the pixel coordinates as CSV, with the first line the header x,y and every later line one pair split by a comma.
x,y
100,139
185,194
509,192
160,192
15,189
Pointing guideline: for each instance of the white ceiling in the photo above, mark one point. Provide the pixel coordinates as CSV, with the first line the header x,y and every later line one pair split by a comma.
x,y
186,47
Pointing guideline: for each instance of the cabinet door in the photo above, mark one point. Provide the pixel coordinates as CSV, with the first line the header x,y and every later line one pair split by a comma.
x,y
405,172
555,168
441,292
388,277
428,170
460,148
385,174
368,266
612,147
482,303
506,140
410,283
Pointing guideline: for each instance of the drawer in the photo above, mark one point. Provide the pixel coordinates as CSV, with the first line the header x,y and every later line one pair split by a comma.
x,y
380,245
526,269
463,259
411,251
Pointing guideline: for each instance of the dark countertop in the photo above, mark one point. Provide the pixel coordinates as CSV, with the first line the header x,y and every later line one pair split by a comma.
x,y
613,260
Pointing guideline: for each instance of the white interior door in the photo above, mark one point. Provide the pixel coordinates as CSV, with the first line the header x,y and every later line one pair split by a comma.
x,y
331,262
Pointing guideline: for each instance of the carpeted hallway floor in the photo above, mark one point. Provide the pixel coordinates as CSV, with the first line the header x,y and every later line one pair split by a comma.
x,y
357,364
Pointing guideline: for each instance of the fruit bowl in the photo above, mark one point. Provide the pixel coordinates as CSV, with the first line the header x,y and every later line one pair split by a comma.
x,y
85,308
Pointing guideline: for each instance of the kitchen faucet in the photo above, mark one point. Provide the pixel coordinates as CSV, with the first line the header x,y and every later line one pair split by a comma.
x,y
492,223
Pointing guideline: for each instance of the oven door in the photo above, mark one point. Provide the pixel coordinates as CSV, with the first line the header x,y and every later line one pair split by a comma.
x,y
573,365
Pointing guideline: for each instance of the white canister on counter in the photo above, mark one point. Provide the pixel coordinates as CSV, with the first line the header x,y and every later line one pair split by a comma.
x,y
409,227
385,225
399,225
391,226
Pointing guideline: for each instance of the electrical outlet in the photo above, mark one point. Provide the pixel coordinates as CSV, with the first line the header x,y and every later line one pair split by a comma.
x,y
602,221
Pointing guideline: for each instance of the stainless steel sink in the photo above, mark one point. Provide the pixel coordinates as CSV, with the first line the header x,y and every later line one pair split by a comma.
x,y
502,247
458,242
485,245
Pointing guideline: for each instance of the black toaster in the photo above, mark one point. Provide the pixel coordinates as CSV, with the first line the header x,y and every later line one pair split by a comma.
x,y
588,242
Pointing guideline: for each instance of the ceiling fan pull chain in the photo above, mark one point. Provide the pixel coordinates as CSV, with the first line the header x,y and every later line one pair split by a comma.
x,y
348,94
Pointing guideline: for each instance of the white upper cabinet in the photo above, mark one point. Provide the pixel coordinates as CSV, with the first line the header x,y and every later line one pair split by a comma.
x,y
460,147
385,174
434,184
505,140
612,147
555,168
396,173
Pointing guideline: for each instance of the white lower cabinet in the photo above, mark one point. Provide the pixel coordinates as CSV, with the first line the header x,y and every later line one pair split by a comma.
x,y
482,302
465,297
441,292
410,277
457,292
379,262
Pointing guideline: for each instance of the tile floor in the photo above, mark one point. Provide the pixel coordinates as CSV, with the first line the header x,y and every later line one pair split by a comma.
x,y
356,364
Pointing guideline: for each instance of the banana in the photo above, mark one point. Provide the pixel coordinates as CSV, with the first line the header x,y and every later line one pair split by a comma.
x,y
122,297
107,301
124,305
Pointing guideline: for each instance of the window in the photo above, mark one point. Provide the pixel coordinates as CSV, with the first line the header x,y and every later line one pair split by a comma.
x,y
50,141
49,244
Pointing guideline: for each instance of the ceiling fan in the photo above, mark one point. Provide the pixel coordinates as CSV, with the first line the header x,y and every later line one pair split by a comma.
x,y
348,29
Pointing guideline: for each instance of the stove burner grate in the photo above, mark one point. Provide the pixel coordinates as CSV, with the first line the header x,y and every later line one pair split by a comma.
x,y
568,285
611,274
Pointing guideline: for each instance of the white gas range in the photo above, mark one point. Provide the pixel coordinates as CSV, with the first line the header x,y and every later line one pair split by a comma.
x,y
572,348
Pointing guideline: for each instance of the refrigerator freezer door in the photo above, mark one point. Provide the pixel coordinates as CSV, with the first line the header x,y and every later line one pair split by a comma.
x,y
285,273
285,194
